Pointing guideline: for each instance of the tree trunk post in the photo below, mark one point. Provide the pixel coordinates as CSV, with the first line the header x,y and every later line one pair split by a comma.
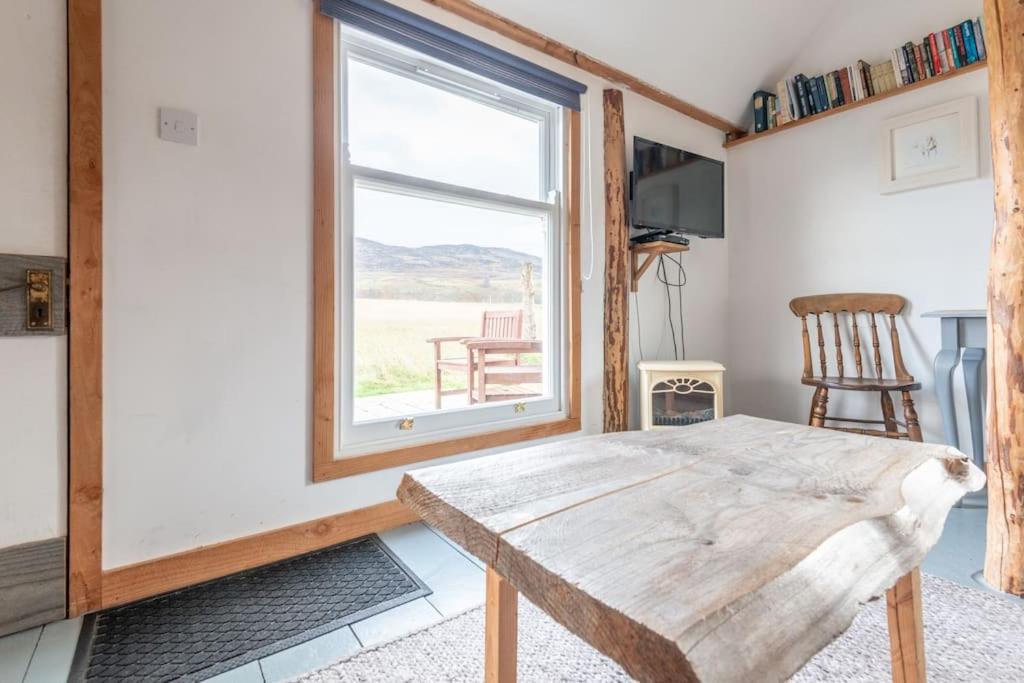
x,y
1004,554
616,270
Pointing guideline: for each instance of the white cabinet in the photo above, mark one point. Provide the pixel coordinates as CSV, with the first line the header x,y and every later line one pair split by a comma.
x,y
679,393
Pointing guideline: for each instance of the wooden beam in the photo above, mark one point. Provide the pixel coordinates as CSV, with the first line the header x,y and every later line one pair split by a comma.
x,y
153,577
323,239
617,268
1004,554
480,16
85,344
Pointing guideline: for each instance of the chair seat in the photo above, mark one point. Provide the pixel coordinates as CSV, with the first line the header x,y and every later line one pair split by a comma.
x,y
865,384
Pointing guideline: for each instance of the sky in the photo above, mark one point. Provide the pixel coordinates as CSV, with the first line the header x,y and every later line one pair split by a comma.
x,y
401,125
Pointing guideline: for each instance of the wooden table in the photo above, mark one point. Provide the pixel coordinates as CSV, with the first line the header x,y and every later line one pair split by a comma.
x,y
731,550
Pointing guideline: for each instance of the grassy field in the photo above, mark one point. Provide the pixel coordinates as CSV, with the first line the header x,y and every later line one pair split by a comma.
x,y
392,354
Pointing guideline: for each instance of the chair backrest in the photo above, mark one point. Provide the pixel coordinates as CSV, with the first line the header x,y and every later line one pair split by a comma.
x,y
844,309
502,324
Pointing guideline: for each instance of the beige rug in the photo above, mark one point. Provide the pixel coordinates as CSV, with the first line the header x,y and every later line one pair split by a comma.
x,y
971,637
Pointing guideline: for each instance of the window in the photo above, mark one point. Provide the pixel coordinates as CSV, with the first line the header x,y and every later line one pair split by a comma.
x,y
445,226
451,250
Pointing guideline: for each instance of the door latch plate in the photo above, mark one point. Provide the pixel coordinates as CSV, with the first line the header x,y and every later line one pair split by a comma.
x,y
39,299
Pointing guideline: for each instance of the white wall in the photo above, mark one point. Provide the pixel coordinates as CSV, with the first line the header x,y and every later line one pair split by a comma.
x,y
207,273
807,217
33,207
706,264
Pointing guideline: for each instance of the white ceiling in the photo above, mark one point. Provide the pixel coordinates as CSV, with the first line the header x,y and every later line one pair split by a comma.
x,y
713,53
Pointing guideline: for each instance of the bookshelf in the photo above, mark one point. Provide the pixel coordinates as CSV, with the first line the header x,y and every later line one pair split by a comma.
x,y
859,103
650,251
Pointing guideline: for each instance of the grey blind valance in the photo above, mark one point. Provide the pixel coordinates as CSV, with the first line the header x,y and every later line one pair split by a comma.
x,y
430,38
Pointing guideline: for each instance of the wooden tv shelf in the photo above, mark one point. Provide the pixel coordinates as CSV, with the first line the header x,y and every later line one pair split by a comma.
x,y
650,251
859,103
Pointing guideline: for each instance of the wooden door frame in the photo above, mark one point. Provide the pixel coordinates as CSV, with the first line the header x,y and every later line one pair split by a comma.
x,y
85,300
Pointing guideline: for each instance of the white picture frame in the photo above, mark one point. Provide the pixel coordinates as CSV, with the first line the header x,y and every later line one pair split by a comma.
x,y
930,147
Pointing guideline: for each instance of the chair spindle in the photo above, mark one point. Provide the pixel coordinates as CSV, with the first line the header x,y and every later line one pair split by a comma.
x,y
856,346
839,343
874,343
821,346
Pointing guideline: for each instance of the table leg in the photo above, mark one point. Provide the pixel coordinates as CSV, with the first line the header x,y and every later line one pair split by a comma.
x,y
906,629
974,361
945,362
500,639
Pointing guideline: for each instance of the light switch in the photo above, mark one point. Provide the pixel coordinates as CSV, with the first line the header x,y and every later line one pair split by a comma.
x,y
177,125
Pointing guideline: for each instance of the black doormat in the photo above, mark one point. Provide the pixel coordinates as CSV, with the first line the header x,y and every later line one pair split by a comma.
x,y
198,632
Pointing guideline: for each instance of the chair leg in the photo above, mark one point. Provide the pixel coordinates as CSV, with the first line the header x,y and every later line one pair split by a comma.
x,y
437,375
437,388
910,414
469,377
481,389
814,402
819,407
889,413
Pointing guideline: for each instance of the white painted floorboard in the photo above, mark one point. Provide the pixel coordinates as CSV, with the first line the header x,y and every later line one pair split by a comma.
x,y
44,654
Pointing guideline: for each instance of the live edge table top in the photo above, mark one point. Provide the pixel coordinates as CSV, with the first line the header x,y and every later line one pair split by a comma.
x,y
732,550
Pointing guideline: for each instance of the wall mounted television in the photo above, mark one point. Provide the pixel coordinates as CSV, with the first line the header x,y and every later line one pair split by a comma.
x,y
676,192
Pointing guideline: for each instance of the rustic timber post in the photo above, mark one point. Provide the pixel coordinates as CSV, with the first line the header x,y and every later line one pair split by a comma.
x,y
1004,554
616,269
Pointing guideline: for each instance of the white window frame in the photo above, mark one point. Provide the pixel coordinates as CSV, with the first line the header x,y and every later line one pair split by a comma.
x,y
363,437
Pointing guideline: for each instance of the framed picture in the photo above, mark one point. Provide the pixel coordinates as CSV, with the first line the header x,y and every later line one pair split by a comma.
x,y
932,146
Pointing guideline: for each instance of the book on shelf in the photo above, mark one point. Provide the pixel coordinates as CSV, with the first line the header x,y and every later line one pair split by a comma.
x,y
961,49
844,80
938,53
979,39
969,46
761,111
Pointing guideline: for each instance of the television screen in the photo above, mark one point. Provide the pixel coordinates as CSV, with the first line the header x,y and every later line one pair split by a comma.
x,y
676,190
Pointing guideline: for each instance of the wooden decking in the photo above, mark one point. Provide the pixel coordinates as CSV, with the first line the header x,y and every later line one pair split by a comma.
x,y
407,403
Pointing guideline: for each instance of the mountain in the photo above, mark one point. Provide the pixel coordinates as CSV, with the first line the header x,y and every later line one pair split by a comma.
x,y
441,272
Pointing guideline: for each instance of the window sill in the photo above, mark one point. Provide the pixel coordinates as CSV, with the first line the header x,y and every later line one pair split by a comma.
x,y
326,470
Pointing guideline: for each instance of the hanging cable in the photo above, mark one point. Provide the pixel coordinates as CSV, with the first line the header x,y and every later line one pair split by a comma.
x,y
678,346
663,277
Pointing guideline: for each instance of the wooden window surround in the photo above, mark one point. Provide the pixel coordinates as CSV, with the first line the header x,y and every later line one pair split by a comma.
x,y
325,374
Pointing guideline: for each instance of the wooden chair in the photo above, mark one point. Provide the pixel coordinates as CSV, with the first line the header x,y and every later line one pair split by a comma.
x,y
494,325
844,309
